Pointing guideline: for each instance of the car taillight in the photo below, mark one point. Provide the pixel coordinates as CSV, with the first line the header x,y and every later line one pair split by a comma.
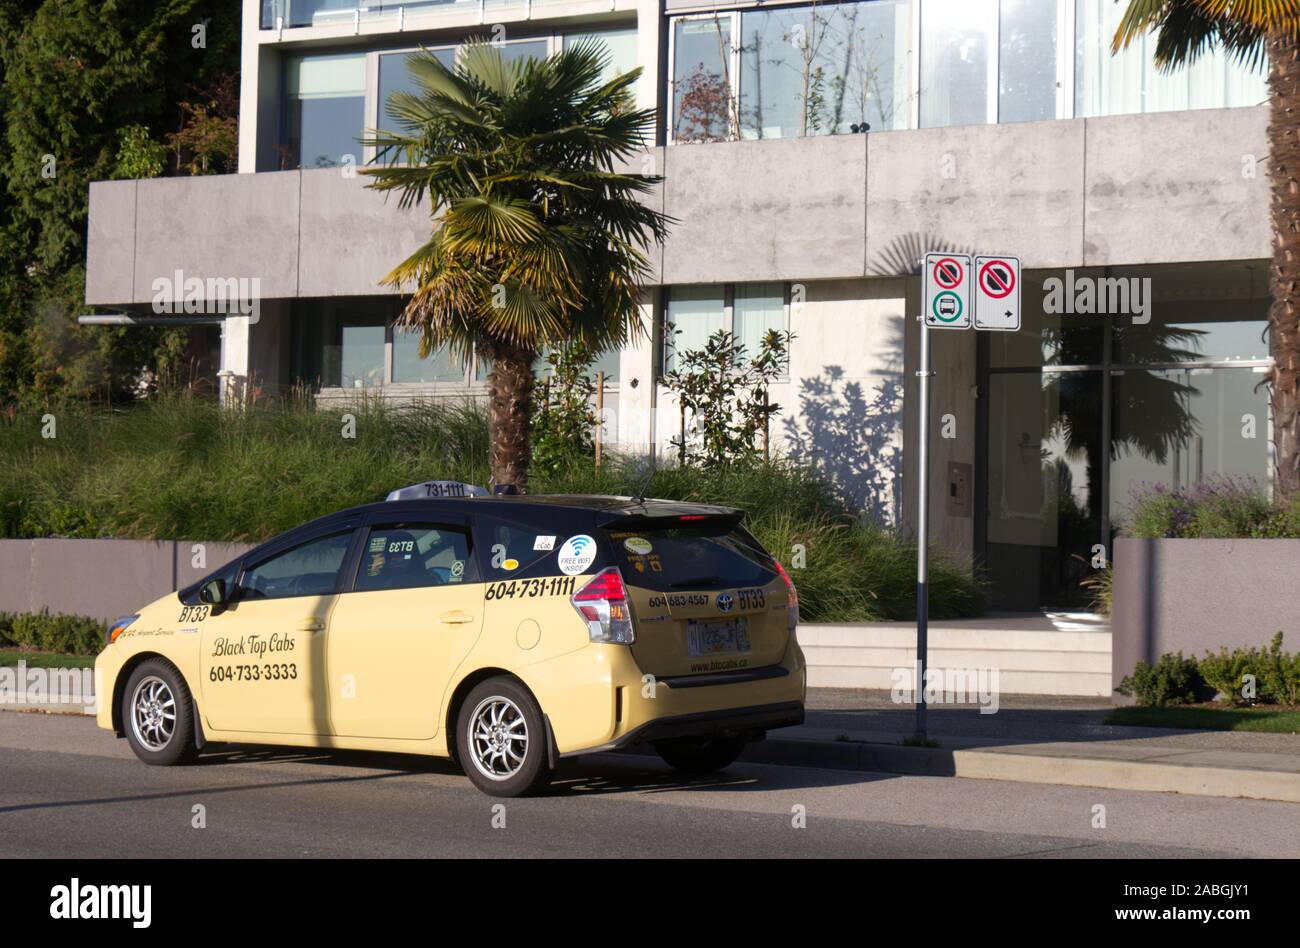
x,y
792,598
117,627
602,603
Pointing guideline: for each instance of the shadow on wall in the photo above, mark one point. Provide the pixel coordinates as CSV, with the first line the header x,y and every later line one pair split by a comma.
x,y
854,435
905,255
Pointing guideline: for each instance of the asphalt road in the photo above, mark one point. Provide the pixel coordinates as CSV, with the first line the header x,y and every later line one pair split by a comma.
x,y
70,790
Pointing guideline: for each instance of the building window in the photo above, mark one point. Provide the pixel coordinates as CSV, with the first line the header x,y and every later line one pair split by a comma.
x,y
1129,82
619,44
395,76
957,37
1084,410
355,343
746,310
806,70
324,110
825,69
1027,60
703,106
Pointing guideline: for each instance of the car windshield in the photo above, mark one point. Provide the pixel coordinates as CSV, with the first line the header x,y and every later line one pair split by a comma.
x,y
707,555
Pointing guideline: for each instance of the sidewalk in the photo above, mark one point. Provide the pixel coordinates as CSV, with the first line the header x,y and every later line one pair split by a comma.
x,y
1033,739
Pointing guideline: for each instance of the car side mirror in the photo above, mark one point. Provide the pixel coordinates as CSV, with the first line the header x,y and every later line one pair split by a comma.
x,y
213,593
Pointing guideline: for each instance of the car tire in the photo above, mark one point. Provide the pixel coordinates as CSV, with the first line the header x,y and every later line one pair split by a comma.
x,y
501,739
158,714
700,755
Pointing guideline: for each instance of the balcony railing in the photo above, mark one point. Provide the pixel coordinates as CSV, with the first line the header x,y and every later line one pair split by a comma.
x,y
286,14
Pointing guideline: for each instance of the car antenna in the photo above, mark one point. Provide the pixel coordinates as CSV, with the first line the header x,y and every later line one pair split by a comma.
x,y
639,496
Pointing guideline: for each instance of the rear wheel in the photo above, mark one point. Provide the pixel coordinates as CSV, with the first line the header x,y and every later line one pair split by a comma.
x,y
158,714
700,755
502,739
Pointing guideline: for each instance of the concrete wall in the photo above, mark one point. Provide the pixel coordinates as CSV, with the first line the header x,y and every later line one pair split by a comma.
x,y
101,578
1195,596
1038,656
1085,192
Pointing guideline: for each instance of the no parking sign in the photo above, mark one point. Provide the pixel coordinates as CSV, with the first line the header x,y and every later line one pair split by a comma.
x,y
947,290
997,293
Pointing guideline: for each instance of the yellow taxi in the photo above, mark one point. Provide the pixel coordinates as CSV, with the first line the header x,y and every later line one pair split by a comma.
x,y
506,632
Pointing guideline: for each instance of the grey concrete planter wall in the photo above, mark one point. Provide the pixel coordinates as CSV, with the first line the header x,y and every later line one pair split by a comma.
x,y
1194,596
101,578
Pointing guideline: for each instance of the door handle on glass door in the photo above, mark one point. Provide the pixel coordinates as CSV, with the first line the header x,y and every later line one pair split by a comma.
x,y
455,617
311,625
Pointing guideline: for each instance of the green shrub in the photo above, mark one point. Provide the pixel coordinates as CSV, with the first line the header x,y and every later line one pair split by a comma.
x,y
857,572
1102,587
1282,673
6,629
67,634
1216,508
1276,673
1172,680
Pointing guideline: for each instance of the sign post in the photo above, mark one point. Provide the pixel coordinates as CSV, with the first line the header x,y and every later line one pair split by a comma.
x,y
947,305
957,296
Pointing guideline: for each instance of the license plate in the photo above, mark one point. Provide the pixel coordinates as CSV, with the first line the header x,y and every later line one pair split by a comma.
x,y
714,638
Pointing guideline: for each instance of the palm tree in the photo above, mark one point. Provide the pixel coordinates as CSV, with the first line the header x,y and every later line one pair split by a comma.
x,y
537,239
1253,31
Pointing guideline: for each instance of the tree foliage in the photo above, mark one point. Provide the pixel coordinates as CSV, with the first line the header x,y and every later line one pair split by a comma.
x,y
86,90
539,235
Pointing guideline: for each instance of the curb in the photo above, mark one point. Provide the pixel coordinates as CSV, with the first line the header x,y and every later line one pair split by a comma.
x,y
1022,767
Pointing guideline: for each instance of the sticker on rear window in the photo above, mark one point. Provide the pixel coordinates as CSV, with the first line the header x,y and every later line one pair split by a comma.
x,y
638,545
576,555
544,543
510,564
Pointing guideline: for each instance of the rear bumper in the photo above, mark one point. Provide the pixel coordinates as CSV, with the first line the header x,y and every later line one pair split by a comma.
x,y
727,722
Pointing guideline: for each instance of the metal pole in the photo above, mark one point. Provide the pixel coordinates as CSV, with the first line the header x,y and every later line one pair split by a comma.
x,y
923,531
600,414
767,451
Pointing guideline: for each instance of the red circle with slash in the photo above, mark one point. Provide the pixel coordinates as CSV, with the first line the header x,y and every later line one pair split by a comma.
x,y
947,273
1000,282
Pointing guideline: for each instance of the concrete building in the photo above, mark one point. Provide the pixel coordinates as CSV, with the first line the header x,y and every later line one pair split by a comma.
x,y
994,126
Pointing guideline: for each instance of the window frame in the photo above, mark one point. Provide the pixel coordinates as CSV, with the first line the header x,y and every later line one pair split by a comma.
x,y
728,318
293,542
1066,39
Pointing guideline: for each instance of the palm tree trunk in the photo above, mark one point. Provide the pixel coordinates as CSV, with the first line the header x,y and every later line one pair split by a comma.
x,y
510,409
1284,277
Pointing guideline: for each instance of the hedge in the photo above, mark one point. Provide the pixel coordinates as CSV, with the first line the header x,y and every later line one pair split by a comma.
x,y
43,632
1175,679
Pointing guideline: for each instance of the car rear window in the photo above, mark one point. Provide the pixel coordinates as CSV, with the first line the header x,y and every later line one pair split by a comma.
x,y
706,555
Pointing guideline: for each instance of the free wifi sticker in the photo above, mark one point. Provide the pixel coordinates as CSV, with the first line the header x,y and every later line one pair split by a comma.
x,y
576,555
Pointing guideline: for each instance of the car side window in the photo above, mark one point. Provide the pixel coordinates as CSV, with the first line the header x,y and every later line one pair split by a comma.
x,y
403,555
512,550
310,569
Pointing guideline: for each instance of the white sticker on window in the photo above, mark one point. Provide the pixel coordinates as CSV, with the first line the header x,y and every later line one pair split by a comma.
x,y
544,543
638,545
576,555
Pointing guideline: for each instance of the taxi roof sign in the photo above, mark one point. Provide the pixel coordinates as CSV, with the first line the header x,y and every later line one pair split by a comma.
x,y
426,489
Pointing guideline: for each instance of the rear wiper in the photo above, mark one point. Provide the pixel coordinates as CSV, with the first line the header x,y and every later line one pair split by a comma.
x,y
695,581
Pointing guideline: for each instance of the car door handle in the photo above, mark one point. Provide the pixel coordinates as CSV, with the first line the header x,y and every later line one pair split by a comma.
x,y
311,624
455,617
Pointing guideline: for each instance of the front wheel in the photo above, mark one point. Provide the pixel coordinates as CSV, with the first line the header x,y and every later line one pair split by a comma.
x,y
700,755
158,714
501,737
